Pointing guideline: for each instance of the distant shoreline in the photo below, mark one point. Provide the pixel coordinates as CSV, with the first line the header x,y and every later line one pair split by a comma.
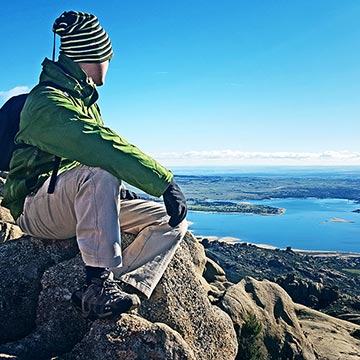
x,y
267,170
314,253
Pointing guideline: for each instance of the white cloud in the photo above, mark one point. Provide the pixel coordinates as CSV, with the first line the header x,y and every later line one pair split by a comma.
x,y
236,157
5,95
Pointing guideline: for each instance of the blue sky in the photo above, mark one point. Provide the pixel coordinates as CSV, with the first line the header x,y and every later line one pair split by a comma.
x,y
205,82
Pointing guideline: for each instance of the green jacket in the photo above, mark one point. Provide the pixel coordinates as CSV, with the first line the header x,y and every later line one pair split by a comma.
x,y
64,120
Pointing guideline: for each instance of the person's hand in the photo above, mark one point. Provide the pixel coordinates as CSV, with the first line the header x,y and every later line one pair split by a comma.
x,y
175,204
126,194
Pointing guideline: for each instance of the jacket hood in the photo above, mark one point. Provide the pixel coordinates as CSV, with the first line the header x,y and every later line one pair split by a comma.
x,y
69,76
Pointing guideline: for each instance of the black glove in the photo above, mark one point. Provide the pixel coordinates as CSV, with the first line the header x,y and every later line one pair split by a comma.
x,y
126,194
175,204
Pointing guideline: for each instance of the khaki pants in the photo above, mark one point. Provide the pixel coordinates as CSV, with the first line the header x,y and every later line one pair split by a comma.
x,y
86,204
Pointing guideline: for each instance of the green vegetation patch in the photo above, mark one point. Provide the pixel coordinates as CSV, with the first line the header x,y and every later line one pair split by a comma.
x,y
250,341
352,271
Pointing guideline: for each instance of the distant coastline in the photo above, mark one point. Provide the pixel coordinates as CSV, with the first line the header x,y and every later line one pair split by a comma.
x,y
265,183
221,188
267,170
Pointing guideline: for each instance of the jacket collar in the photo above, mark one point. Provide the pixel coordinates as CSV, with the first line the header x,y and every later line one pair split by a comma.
x,y
69,76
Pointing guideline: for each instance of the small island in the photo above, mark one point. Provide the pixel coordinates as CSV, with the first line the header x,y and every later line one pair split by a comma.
x,y
337,220
233,207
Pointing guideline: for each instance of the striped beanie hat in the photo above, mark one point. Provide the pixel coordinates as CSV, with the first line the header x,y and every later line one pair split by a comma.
x,y
82,37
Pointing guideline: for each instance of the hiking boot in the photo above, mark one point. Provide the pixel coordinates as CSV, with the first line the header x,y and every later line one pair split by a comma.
x,y
104,298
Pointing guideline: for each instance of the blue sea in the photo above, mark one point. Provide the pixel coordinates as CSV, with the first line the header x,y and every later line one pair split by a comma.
x,y
307,224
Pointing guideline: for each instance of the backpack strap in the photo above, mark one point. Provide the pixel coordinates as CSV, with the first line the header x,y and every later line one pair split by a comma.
x,y
53,178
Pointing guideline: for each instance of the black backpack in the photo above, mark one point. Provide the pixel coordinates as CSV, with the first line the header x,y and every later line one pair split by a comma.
x,y
9,126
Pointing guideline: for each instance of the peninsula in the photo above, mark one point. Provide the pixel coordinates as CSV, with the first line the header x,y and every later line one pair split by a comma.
x,y
233,207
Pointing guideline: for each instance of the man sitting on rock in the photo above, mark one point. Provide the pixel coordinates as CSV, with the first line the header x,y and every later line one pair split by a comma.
x,y
61,123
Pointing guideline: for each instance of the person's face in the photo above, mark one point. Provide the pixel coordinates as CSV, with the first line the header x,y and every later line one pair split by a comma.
x,y
96,71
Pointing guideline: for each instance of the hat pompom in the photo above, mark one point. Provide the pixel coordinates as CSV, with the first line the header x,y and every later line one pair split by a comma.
x,y
70,21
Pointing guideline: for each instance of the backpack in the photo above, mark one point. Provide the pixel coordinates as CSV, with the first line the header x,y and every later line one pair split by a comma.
x,y
9,126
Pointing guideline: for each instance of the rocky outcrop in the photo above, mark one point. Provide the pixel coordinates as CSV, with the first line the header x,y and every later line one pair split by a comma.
x,y
331,338
8,229
23,263
325,283
313,294
195,312
131,337
39,321
281,336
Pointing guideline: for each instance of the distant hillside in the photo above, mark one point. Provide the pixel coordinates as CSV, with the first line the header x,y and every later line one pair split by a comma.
x,y
266,187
